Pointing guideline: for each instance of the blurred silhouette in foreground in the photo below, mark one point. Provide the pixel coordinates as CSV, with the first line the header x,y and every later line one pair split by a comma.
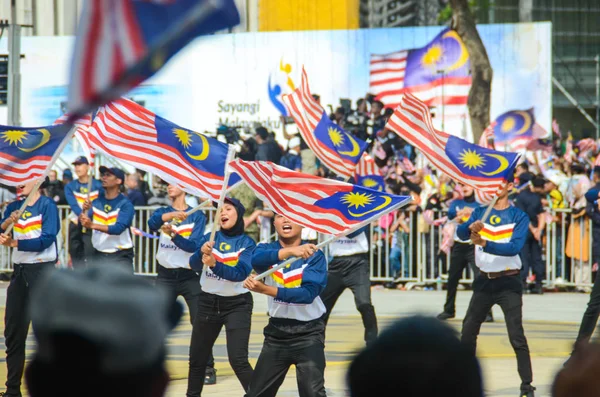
x,y
100,332
579,377
416,356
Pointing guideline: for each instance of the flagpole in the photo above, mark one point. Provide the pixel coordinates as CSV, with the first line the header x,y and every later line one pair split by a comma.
x,y
230,156
332,239
36,187
89,187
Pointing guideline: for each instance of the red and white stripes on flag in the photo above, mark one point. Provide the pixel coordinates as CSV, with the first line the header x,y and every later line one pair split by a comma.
x,y
487,135
586,145
125,130
307,113
555,127
366,166
412,122
387,75
82,123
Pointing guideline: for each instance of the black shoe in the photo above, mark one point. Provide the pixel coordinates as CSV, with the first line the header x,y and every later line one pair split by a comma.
x,y
489,318
210,377
537,290
528,392
445,316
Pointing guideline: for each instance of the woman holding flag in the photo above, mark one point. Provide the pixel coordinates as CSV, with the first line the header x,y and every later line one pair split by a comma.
x,y
223,301
34,243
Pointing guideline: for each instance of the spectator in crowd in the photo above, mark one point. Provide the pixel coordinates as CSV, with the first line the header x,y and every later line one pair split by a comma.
x,y
292,160
578,237
555,200
67,177
55,189
416,356
84,321
143,186
593,212
161,198
268,149
133,190
529,201
253,206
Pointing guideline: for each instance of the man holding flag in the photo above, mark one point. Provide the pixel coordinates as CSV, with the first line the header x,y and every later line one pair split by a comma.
x,y
499,238
297,271
76,193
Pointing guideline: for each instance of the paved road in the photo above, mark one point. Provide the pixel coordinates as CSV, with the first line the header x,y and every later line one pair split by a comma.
x,y
551,326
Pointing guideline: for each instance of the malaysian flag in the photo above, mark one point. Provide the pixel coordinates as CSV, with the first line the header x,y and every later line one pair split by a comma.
x,y
418,71
556,128
127,131
120,43
516,129
586,146
368,174
324,205
338,150
487,136
25,153
82,124
464,162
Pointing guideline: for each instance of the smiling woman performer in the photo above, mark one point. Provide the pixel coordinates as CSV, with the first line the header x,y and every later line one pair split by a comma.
x,y
34,243
223,300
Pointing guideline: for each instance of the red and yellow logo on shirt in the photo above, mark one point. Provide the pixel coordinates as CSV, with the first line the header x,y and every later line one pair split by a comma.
x,y
502,233
105,218
290,279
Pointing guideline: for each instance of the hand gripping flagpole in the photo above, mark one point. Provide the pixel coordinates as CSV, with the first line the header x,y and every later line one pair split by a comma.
x,y
332,239
36,187
230,156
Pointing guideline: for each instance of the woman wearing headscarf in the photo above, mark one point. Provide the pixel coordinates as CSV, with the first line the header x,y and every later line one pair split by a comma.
x,y
224,265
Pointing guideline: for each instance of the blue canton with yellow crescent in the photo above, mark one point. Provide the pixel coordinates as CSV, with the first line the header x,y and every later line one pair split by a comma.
x,y
375,182
332,136
25,143
514,124
476,161
361,203
201,152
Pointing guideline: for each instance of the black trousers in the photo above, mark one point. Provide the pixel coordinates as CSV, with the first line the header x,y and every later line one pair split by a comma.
x,y
16,320
186,283
80,245
461,255
507,292
123,258
531,256
287,343
590,317
214,312
351,272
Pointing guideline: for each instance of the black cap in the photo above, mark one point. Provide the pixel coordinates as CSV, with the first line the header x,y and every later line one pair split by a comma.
x,y
114,171
81,160
597,170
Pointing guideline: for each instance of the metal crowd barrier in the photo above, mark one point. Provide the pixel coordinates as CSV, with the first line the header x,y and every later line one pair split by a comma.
x,y
412,257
